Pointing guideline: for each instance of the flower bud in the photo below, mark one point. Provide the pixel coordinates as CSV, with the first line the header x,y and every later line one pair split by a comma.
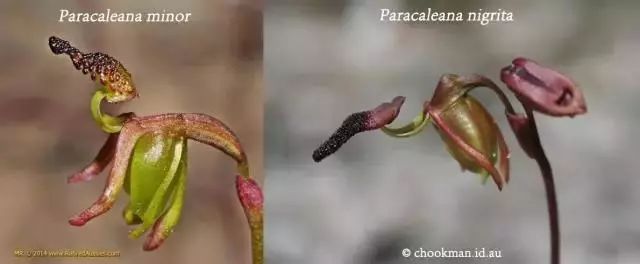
x,y
543,89
252,200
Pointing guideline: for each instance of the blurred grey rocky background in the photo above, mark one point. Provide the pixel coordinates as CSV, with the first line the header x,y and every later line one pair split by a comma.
x,y
212,65
378,195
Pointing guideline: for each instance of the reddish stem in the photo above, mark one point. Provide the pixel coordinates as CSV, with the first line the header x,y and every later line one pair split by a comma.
x,y
549,187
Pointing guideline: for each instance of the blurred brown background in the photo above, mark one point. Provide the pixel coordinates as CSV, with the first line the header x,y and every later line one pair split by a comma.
x,y
212,65
378,195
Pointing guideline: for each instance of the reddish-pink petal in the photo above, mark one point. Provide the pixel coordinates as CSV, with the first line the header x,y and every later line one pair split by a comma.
x,y
129,135
543,89
522,129
102,160
480,159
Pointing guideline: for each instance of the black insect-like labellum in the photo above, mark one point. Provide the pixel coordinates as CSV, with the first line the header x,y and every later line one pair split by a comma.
x,y
109,71
60,46
96,64
359,122
351,126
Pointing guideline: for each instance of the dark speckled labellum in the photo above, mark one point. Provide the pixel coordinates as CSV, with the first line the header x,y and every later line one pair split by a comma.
x,y
101,67
543,89
357,123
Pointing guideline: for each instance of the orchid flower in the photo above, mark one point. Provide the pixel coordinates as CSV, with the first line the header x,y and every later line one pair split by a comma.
x,y
149,156
471,134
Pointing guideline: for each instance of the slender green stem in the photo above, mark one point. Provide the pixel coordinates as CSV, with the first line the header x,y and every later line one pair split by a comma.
x,y
257,239
107,123
413,128
243,169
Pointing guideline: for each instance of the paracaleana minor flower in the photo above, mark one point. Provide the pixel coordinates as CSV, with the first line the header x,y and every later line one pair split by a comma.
x,y
149,156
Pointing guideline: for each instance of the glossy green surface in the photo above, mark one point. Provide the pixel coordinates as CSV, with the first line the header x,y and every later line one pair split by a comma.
x,y
417,124
157,164
471,121
106,122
